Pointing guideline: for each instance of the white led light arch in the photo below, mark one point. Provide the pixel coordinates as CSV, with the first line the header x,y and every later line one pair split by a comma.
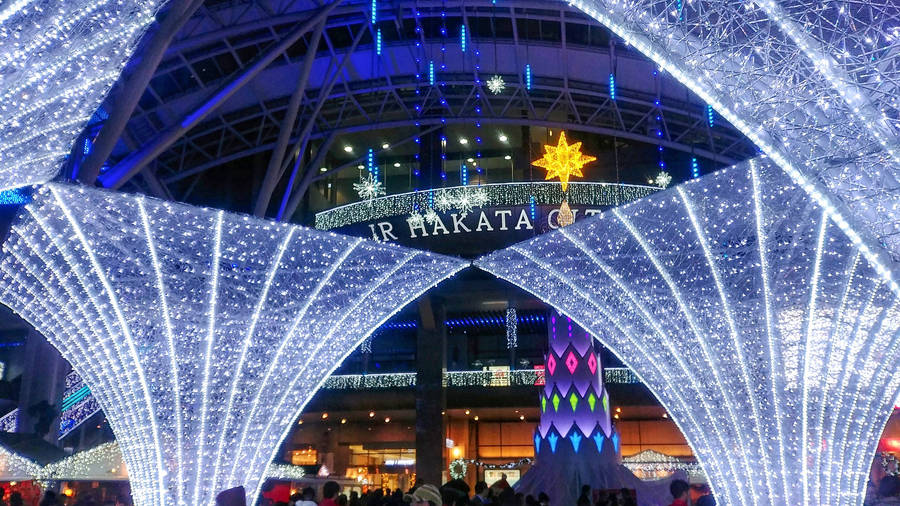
x,y
815,85
202,333
58,60
759,325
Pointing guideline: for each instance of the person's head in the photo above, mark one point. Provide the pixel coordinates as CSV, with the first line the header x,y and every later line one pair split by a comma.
x,y
706,500
585,490
330,489
425,495
502,476
889,486
543,498
309,494
15,499
481,489
679,489
342,500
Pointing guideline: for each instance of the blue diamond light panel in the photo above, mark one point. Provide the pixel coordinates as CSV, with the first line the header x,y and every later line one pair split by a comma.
x,y
58,60
748,312
201,333
814,84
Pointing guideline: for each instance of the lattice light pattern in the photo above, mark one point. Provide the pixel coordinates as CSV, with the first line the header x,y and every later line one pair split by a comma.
x,y
202,333
58,61
758,324
814,84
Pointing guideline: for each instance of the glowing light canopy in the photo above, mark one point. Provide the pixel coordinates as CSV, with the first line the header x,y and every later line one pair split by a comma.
x,y
58,61
201,333
759,325
813,84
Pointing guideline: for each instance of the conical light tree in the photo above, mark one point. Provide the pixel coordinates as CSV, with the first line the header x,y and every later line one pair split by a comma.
x,y
202,333
770,336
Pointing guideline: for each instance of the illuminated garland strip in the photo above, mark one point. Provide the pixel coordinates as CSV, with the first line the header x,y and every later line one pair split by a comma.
x,y
499,194
454,379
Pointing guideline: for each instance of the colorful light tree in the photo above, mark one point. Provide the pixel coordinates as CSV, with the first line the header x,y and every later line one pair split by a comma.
x,y
759,324
575,442
201,333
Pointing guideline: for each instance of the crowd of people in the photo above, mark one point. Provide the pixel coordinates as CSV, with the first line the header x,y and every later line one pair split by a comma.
x,y
50,498
454,493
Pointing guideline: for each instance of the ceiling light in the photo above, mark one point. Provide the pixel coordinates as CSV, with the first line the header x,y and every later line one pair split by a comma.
x,y
507,157
396,164
385,146
348,149
323,169
470,160
476,418
521,417
360,166
467,411
463,141
503,138
343,420
371,414
387,419
324,416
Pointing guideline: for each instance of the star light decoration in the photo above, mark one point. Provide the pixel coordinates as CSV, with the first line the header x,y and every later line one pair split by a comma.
x,y
496,84
563,161
201,333
759,324
813,84
59,60
369,187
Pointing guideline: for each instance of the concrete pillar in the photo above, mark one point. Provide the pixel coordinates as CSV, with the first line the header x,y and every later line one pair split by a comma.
x,y
430,398
43,380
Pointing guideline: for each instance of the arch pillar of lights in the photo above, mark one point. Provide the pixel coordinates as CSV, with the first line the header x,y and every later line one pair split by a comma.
x,y
832,126
202,333
760,325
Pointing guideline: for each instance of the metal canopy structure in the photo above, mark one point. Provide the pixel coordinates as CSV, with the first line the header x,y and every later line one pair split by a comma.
x,y
755,320
203,334
294,102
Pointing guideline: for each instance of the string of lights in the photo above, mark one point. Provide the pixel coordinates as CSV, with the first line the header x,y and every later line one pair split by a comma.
x,y
60,60
743,291
499,194
180,313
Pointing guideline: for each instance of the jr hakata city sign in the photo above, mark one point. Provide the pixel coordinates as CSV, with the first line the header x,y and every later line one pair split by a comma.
x,y
513,212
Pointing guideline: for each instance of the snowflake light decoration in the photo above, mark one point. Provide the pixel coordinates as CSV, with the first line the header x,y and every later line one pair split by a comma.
x,y
761,326
415,219
496,84
202,334
444,201
369,188
430,216
59,61
563,160
663,179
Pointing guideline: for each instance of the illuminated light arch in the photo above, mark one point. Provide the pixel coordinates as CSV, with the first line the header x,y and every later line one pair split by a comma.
x,y
814,86
202,333
57,68
756,321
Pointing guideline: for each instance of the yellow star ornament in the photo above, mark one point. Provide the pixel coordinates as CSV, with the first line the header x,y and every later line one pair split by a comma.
x,y
563,160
